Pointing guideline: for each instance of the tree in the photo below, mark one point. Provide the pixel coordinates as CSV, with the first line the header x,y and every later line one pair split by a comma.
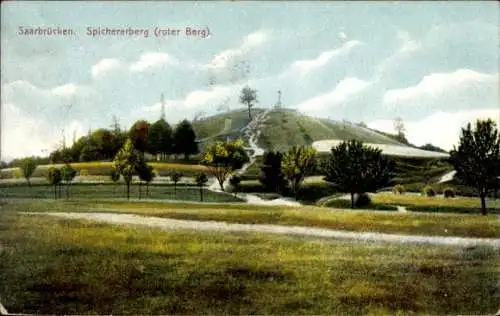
x,y
115,177
477,158
67,175
139,136
146,174
54,177
235,183
125,163
222,158
248,97
201,179
400,129
297,163
356,168
160,138
184,139
28,167
175,177
271,175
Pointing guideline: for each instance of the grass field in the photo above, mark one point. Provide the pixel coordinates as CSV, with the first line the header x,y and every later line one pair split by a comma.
x,y
105,168
372,221
53,266
109,190
433,204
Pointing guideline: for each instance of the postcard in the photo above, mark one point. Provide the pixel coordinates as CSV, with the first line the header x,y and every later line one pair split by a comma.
x,y
237,157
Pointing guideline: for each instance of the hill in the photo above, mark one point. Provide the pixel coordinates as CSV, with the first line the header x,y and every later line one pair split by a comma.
x,y
284,128
281,129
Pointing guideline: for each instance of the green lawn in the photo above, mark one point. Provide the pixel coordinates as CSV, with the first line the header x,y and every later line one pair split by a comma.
x,y
363,221
54,266
437,204
100,191
188,168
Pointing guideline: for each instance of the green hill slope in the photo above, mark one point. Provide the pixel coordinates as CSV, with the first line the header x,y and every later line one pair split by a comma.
x,y
285,128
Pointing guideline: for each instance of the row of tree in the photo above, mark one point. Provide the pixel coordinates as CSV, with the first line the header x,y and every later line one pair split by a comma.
x,y
157,139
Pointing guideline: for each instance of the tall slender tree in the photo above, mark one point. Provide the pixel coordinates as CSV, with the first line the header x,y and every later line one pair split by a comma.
x,y
185,139
248,97
477,158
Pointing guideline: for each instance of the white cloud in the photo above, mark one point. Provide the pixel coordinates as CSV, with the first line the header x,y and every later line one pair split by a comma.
x,y
441,129
149,60
199,100
21,89
438,85
105,65
64,90
250,42
24,135
324,57
407,46
344,90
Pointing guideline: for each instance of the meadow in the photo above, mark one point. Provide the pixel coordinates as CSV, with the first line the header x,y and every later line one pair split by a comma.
x,y
342,219
54,266
93,191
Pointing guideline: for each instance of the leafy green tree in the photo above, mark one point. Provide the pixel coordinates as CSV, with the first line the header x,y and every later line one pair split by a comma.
x,y
146,174
235,183
115,177
54,177
160,138
201,179
28,167
175,177
297,163
477,158
139,136
125,163
357,169
184,139
271,175
67,175
248,97
222,158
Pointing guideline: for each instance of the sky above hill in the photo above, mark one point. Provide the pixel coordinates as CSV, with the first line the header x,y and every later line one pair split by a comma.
x,y
435,65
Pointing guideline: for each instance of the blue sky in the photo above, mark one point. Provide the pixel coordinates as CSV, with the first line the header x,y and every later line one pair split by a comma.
x,y
433,64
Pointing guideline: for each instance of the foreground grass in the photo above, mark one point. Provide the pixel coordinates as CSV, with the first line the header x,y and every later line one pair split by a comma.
x,y
96,191
372,221
56,266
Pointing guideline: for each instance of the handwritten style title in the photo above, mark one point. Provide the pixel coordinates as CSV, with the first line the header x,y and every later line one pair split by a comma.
x,y
99,32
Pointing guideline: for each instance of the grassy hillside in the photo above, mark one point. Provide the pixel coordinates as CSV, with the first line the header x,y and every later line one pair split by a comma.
x,y
285,128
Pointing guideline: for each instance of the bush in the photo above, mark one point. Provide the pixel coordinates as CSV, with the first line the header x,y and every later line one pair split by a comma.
x,y
84,173
398,189
429,191
362,200
17,174
449,193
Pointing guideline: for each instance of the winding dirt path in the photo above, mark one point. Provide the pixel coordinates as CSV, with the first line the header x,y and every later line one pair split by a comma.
x,y
169,224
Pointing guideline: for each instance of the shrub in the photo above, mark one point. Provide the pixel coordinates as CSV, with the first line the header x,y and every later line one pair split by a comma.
x,y
17,174
84,173
449,193
362,200
429,191
398,189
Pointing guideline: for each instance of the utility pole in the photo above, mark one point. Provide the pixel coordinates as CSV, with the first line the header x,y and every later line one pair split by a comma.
x,y
162,101
278,104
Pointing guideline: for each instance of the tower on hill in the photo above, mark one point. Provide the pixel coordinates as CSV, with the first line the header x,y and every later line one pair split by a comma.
x,y
162,111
